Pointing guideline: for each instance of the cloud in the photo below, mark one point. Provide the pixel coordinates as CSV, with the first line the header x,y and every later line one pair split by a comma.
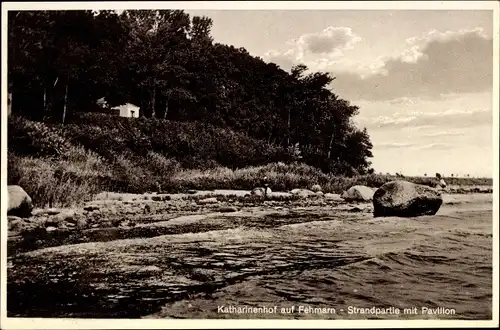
x,y
437,146
332,40
446,119
318,50
395,145
445,133
431,66
419,146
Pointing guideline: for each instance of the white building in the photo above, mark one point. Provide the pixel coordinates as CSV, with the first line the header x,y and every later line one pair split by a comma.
x,y
126,110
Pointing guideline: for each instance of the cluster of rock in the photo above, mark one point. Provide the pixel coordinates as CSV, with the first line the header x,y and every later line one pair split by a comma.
x,y
396,198
21,217
355,193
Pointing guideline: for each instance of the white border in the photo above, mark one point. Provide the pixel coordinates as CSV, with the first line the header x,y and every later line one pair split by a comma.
x,y
36,323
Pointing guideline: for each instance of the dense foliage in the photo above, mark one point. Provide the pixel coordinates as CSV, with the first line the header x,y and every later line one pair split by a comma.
x,y
61,62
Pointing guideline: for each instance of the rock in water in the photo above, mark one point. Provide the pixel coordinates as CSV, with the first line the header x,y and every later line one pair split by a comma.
x,y
405,199
20,203
358,193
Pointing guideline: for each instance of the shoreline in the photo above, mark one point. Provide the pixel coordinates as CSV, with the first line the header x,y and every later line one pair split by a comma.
x,y
113,215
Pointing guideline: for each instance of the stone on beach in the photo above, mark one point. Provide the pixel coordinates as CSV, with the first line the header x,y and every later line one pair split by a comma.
x,y
260,191
333,197
20,203
302,192
358,193
405,199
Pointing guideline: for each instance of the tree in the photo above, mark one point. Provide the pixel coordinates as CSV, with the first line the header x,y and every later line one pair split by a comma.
x,y
152,53
164,61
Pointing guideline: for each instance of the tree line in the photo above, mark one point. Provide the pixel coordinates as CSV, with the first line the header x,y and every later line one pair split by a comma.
x,y
167,63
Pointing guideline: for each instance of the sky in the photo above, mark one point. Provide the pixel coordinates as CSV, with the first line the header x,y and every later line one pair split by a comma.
x,y
423,80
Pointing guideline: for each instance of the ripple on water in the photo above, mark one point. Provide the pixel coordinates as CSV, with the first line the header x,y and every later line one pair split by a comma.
x,y
435,262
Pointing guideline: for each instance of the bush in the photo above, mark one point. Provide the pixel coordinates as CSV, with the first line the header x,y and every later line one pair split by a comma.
x,y
35,139
192,144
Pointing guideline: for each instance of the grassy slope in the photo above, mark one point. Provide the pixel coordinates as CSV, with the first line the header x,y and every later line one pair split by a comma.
x,y
61,166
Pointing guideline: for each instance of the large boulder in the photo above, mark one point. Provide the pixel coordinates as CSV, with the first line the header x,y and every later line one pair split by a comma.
x,y
20,203
358,193
405,199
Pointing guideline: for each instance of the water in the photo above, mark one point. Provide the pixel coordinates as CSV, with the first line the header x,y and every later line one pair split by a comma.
x,y
304,259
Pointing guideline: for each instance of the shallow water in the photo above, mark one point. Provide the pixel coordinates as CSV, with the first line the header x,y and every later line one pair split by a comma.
x,y
314,258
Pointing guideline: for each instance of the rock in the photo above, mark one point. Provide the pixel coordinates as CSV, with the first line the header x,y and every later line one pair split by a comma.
x,y
67,215
13,218
333,197
80,222
15,223
20,203
161,198
210,200
91,208
268,191
150,268
442,183
358,193
405,199
316,188
259,191
227,209
319,193
50,229
52,211
302,192
112,210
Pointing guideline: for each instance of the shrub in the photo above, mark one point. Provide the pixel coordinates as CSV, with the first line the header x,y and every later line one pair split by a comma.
x,y
37,139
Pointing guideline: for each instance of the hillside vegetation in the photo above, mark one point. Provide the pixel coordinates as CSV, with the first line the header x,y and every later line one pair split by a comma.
x,y
62,165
